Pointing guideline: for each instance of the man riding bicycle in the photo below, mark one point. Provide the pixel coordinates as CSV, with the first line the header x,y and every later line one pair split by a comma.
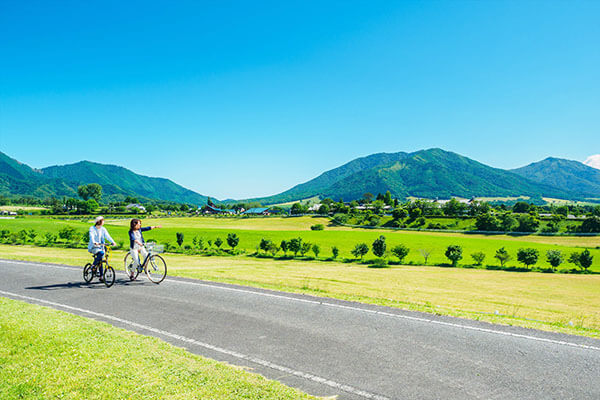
x,y
98,235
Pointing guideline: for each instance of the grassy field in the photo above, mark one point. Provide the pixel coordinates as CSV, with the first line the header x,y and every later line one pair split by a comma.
x,y
252,230
45,353
555,302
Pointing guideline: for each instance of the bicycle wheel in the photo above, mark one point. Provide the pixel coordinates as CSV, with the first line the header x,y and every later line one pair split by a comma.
x,y
88,273
108,275
130,270
156,269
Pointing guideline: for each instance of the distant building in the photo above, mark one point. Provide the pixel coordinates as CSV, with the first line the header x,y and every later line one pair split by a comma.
x,y
139,207
208,209
257,211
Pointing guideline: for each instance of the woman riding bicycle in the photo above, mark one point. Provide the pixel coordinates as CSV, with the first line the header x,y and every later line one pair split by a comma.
x,y
98,235
136,240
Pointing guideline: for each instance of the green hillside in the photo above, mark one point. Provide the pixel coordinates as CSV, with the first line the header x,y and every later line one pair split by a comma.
x,y
564,174
117,182
427,173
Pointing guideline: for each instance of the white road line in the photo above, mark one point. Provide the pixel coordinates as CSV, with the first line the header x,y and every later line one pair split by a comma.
x,y
314,378
352,308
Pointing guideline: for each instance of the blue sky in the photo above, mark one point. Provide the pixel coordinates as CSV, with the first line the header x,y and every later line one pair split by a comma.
x,y
243,99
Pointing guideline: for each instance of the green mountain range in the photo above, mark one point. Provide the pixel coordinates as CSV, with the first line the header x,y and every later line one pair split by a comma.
x,y
117,182
432,173
568,175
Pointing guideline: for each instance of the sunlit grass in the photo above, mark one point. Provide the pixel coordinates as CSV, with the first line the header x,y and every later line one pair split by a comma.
x,y
46,354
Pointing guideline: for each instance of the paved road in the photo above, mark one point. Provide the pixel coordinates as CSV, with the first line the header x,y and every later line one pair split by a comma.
x,y
323,346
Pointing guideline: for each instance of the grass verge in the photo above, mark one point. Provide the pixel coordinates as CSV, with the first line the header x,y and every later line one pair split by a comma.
x,y
45,353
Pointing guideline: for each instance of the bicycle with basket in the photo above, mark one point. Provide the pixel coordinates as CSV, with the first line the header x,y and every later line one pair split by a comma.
x,y
153,265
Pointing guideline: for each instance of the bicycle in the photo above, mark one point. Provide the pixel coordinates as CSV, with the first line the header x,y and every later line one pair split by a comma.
x,y
108,273
153,265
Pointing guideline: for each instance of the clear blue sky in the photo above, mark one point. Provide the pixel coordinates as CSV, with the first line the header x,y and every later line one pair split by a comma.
x,y
243,99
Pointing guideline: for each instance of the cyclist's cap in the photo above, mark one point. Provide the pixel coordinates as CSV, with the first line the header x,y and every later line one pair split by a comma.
x,y
99,218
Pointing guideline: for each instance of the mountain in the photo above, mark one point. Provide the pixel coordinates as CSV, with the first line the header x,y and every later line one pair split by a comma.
x,y
20,179
427,173
117,182
567,175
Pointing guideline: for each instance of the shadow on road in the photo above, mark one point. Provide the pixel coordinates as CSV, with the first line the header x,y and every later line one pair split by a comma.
x,y
91,285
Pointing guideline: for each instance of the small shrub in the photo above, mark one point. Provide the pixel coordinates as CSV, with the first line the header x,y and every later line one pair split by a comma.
x,y
502,256
400,251
379,263
360,250
478,257
454,254
317,227
335,252
528,256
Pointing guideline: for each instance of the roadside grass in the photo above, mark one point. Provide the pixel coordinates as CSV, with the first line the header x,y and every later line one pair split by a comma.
x,y
252,230
45,353
554,302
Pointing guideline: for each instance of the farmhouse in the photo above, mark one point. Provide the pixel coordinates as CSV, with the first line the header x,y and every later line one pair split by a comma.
x,y
208,209
257,211
139,207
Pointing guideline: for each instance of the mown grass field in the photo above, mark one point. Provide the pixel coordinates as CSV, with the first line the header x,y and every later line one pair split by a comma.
x,y
556,302
45,353
252,230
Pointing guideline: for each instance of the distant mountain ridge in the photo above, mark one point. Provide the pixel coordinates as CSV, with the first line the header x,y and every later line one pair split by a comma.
x,y
117,182
432,173
568,175
428,173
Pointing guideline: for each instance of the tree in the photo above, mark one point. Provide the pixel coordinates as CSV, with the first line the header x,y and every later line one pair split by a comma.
x,y
454,254
360,250
521,207
265,244
218,242
284,246
233,240
367,198
67,233
91,191
590,225
400,251
554,258
324,209
298,208
295,245
583,260
478,257
316,250
487,222
379,246
507,222
387,198
414,213
179,236
306,246
198,242
528,256
399,213
527,223
453,207
335,252
425,253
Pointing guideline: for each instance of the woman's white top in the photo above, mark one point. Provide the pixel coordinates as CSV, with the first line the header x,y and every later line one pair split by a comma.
x,y
137,235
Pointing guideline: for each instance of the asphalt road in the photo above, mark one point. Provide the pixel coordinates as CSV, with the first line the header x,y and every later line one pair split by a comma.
x,y
323,346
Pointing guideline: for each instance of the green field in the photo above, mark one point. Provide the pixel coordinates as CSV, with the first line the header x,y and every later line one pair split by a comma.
x,y
45,353
252,230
